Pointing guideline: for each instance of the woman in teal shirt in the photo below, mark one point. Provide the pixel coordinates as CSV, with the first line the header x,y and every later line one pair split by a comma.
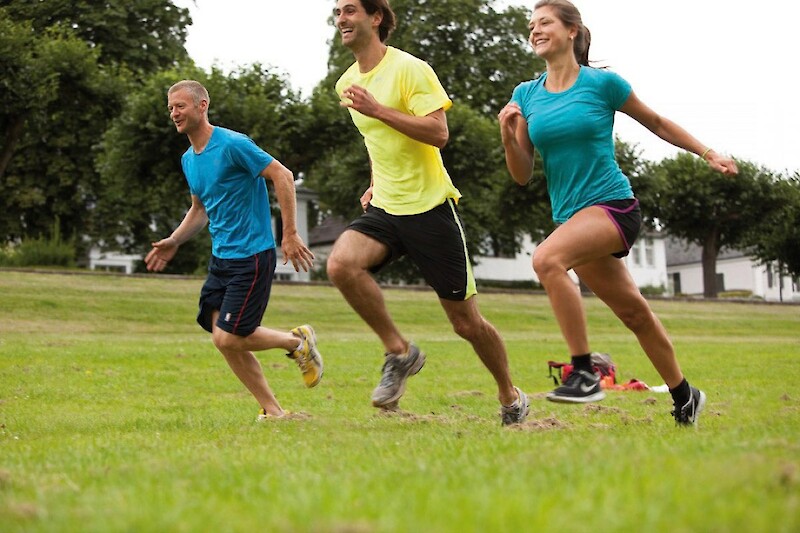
x,y
568,115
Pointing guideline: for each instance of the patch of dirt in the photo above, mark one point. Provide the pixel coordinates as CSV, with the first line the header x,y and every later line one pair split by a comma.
x,y
540,424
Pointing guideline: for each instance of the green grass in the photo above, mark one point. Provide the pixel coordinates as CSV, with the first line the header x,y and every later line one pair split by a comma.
x,y
117,414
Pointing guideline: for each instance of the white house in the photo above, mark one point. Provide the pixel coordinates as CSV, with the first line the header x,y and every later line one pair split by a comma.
x,y
736,272
646,263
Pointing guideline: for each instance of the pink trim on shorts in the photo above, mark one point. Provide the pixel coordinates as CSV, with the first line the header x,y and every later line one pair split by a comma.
x,y
609,210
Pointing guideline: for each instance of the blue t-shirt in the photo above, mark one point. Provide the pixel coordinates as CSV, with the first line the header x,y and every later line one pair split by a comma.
x,y
573,132
225,176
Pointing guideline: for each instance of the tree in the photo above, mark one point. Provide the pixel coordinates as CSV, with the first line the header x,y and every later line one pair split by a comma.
x,y
142,35
68,67
710,209
777,237
144,194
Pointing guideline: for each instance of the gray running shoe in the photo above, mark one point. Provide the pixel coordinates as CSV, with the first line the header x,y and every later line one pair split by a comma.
x,y
396,370
517,412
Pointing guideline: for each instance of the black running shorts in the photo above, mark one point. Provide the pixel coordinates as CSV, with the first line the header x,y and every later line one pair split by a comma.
x,y
627,217
434,241
239,289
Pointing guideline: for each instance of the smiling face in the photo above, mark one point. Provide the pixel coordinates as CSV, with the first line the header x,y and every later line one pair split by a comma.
x,y
184,112
356,27
549,37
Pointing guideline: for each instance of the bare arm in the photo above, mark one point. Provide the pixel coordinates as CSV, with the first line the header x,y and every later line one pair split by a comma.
x,y
675,134
164,250
292,245
429,129
516,143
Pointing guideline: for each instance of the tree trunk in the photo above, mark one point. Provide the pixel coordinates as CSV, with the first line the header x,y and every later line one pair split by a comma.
x,y
710,252
13,134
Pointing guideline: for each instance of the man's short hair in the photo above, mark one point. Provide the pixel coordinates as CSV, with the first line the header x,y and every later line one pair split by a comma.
x,y
195,88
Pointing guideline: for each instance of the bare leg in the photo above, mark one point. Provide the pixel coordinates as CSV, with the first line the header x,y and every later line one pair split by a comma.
x,y
469,324
585,243
611,282
238,352
348,268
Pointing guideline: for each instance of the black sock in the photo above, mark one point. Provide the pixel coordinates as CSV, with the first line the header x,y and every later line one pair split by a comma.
x,y
682,393
582,362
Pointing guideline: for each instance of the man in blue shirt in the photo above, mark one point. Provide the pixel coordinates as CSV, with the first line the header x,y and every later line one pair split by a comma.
x,y
224,170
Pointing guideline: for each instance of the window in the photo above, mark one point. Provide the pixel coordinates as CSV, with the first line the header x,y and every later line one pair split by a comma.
x,y
649,252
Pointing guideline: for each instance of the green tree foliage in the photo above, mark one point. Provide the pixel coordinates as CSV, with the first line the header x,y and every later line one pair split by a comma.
x,y
68,67
142,35
145,194
777,237
712,210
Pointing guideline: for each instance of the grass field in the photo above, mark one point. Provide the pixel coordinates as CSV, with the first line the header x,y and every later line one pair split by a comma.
x,y
117,414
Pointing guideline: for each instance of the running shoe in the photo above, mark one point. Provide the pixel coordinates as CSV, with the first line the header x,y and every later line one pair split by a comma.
x,y
307,356
687,414
396,370
579,387
517,411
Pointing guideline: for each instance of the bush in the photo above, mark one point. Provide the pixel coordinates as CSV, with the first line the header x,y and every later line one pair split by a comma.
x,y
39,252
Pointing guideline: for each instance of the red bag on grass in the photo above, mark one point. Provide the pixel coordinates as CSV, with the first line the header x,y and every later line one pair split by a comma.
x,y
601,363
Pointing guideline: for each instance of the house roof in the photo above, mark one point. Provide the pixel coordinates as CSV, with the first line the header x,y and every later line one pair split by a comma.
x,y
681,252
327,231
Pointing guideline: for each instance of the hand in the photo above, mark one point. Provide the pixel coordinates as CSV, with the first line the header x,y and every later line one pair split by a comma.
x,y
162,253
361,100
295,250
509,118
365,198
721,163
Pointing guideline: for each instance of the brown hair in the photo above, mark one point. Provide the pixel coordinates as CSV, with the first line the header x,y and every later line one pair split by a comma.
x,y
569,15
388,22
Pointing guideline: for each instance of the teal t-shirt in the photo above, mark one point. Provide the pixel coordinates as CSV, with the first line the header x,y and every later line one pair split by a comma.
x,y
225,176
573,132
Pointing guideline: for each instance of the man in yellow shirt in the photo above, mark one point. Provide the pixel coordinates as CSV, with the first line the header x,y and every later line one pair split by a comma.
x,y
398,104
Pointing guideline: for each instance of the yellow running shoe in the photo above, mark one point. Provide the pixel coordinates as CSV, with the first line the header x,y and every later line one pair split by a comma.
x,y
307,356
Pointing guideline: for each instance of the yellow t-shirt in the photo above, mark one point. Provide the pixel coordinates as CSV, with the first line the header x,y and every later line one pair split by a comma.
x,y
408,177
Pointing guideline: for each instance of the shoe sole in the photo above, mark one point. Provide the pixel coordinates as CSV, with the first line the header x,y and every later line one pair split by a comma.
x,y
596,397
396,397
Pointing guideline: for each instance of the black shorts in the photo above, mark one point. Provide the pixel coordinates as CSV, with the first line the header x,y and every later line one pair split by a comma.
x,y
239,289
627,217
434,241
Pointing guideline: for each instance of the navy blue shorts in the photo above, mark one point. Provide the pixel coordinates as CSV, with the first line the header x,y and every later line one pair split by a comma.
x,y
239,289
627,217
434,241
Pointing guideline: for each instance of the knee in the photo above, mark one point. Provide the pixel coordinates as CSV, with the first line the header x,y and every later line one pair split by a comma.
x,y
335,268
637,318
226,342
467,328
545,266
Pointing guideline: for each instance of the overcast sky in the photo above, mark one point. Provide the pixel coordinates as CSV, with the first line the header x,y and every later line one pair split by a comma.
x,y
723,69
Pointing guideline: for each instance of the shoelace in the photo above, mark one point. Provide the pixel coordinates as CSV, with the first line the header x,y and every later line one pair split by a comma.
x,y
388,373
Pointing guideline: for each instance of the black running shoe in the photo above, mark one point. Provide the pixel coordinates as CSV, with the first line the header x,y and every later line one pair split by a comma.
x,y
579,387
687,414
